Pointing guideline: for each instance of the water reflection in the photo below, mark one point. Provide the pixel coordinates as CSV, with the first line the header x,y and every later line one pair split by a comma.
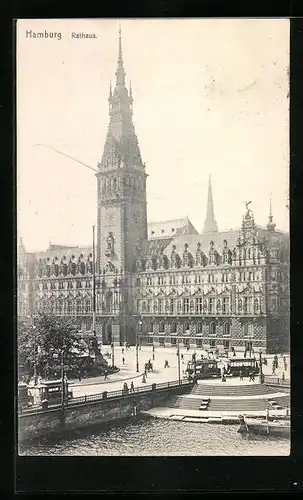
x,y
155,437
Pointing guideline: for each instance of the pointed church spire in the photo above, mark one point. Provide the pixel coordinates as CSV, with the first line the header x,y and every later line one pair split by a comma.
x,y
271,225
210,225
120,73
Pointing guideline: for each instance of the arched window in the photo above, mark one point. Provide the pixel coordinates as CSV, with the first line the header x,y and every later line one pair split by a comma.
x,y
226,329
199,327
212,328
186,326
174,327
162,327
248,329
256,304
150,327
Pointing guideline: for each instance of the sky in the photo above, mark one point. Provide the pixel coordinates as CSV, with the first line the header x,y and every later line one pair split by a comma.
x,y
210,98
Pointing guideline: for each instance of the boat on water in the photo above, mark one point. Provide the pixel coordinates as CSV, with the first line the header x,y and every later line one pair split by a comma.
x,y
274,425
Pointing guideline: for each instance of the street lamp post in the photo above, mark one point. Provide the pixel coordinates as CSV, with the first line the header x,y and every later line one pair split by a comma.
x,y
35,356
137,347
34,328
62,380
94,285
261,369
179,365
112,343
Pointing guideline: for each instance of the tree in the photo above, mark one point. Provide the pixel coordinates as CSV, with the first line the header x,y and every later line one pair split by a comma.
x,y
26,350
48,342
58,341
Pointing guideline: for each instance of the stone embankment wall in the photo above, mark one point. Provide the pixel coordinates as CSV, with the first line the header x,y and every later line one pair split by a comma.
x,y
56,420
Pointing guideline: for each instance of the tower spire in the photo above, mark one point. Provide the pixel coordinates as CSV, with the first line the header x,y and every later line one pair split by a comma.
x,y
210,224
271,225
120,73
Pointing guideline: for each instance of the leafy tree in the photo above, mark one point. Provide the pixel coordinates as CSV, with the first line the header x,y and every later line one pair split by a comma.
x,y
55,340
25,350
58,340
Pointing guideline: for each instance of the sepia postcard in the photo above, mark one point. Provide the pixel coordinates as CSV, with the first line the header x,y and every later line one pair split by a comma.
x,y
153,237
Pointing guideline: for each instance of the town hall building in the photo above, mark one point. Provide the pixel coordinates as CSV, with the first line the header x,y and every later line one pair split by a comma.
x,y
161,283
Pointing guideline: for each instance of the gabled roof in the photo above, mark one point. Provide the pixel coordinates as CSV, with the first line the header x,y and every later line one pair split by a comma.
x,y
170,228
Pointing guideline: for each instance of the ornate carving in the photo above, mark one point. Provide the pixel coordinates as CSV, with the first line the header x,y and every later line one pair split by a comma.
x,y
110,250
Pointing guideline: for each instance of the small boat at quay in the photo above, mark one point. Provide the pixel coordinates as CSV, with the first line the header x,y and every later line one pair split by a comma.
x,y
274,425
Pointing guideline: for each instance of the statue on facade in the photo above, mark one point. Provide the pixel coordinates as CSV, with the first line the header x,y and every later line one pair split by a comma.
x,y
110,244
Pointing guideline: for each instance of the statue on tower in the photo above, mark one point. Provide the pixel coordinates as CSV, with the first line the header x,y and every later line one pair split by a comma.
x,y
110,245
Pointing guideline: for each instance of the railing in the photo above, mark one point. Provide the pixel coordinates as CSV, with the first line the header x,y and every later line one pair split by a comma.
x,y
105,395
269,379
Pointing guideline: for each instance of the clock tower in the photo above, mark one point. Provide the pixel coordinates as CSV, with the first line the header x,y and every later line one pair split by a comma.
x,y
122,214
121,217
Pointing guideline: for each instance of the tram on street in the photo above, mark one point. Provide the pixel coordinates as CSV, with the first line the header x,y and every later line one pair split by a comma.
x,y
43,394
244,365
204,368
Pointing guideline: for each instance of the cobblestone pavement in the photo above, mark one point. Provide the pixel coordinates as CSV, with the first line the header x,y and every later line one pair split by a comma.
x,y
160,374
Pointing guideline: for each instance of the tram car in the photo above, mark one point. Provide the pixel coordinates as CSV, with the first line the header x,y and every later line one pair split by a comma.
x,y
204,368
244,365
25,398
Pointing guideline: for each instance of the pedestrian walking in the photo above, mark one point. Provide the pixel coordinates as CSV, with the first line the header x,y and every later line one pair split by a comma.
x,y
153,348
283,377
273,368
153,356
144,378
123,360
105,375
132,387
79,376
122,350
241,375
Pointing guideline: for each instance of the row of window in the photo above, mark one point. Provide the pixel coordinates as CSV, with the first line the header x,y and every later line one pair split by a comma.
x,y
63,285
197,306
61,306
185,328
115,184
186,279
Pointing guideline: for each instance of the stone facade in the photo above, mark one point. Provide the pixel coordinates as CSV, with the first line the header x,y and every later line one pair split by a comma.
x,y
164,283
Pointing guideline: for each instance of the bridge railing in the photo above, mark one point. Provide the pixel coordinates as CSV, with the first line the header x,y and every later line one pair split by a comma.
x,y
271,379
105,395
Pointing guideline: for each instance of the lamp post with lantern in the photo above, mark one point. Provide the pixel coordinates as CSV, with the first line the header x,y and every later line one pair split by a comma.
x,y
137,345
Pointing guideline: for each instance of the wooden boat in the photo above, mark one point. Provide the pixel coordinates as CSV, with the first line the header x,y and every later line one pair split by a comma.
x,y
279,425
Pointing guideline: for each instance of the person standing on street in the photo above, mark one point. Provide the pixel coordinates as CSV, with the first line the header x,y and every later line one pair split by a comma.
x,y
123,360
132,387
105,375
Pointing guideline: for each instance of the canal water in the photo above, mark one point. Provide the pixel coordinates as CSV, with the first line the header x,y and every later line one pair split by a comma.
x,y
158,437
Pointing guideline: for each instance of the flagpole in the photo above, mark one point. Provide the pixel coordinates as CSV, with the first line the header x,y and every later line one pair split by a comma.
x,y
94,285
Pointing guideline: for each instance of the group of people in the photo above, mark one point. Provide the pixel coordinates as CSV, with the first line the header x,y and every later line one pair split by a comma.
x,y
128,390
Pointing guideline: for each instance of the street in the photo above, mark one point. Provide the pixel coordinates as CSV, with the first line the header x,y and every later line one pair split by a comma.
x,y
160,374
